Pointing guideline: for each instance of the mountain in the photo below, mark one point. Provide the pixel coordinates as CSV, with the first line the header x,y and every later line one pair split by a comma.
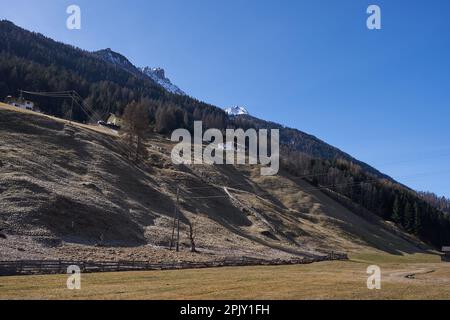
x,y
299,141
118,60
158,75
236,111
112,81
108,82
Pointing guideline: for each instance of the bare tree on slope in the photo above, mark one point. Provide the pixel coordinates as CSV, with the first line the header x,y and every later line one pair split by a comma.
x,y
135,125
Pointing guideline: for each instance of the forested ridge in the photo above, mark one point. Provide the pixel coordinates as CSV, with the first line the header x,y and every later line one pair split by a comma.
x,y
442,203
413,212
33,62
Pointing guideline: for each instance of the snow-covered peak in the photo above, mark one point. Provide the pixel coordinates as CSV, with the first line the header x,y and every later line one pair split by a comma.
x,y
236,111
158,75
113,57
117,59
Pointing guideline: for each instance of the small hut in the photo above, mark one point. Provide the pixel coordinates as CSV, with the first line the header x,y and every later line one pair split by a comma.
x,y
114,120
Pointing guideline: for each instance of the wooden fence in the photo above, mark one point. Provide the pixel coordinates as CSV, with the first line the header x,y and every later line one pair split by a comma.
x,y
30,267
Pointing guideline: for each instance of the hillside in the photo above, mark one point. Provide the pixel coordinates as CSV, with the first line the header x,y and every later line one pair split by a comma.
x,y
33,62
109,81
67,191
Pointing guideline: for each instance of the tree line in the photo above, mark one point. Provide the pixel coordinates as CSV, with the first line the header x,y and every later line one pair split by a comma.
x,y
442,203
388,199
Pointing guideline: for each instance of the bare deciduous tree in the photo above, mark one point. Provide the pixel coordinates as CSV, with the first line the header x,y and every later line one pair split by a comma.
x,y
135,125
192,234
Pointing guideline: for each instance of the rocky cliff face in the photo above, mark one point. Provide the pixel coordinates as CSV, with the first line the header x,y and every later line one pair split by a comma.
x,y
236,111
158,75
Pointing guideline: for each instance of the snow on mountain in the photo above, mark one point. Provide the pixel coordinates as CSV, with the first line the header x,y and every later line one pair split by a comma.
x,y
114,57
158,75
236,111
118,60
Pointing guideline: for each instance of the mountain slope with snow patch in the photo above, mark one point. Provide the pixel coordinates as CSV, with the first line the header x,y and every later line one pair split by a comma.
x,y
158,76
237,111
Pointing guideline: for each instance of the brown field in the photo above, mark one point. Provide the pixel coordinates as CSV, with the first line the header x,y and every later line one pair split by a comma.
x,y
429,279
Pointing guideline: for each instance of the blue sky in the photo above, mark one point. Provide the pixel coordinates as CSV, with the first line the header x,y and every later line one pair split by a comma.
x,y
382,96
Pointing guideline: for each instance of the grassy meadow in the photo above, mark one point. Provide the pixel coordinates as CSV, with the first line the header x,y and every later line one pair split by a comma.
x,y
409,277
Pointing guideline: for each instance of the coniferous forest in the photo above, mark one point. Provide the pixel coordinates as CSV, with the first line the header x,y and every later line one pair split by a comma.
x,y
32,62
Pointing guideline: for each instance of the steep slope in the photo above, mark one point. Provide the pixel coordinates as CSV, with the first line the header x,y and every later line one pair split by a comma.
x,y
159,76
302,142
92,75
106,80
118,61
33,62
236,111
67,191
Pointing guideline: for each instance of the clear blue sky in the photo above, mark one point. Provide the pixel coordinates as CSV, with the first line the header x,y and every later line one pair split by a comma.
x,y
382,96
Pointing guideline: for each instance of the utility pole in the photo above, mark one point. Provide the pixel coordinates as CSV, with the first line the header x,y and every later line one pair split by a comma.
x,y
71,111
178,228
175,218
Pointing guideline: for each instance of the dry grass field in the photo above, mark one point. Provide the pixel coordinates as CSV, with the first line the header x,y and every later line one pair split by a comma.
x,y
93,127
428,278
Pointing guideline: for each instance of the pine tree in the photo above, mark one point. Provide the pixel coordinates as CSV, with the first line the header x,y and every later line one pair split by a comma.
x,y
408,217
417,220
396,211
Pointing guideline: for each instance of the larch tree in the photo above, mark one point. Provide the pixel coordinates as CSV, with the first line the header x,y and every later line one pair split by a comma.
x,y
135,125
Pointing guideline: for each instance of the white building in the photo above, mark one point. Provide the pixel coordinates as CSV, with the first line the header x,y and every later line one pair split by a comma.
x,y
20,103
228,146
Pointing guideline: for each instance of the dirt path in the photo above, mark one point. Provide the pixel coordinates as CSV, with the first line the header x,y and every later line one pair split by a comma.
x,y
410,274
